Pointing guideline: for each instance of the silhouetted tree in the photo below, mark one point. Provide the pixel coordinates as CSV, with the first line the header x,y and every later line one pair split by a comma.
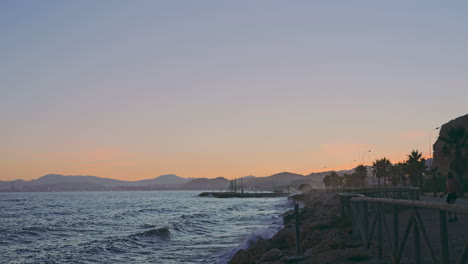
x,y
396,174
332,180
327,181
347,180
361,175
352,180
381,169
415,167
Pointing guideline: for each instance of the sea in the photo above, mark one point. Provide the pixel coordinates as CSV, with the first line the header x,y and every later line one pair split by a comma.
x,y
132,227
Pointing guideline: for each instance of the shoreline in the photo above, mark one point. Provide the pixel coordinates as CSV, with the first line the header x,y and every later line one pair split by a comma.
x,y
326,237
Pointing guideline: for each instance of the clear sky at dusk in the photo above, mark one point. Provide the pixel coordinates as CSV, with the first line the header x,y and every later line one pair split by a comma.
x,y
135,89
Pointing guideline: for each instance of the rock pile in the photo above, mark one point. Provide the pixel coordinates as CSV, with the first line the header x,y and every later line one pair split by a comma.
x,y
326,236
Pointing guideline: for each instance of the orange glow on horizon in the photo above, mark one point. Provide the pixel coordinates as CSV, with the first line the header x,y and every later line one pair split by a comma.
x,y
116,166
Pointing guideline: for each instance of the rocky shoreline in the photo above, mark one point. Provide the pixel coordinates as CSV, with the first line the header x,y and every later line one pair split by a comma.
x,y
326,237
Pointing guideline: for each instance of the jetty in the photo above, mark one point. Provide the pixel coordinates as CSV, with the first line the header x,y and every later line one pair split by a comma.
x,y
242,195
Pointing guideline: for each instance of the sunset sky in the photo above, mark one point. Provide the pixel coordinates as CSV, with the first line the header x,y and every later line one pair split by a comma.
x,y
136,89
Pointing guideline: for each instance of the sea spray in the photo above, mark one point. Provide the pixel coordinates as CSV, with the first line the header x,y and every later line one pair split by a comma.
x,y
275,225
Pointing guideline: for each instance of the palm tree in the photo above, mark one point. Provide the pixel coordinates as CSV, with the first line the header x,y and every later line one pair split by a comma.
x,y
361,174
352,180
456,142
335,179
348,180
396,173
415,167
332,180
327,181
381,169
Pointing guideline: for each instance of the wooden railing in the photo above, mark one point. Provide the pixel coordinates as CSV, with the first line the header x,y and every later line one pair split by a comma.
x,y
379,222
395,193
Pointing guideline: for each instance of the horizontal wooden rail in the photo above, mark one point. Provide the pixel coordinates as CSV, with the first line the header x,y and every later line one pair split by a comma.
x,y
412,203
405,193
371,209
368,190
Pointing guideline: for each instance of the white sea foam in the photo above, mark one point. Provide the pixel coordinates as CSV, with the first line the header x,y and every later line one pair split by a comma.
x,y
275,224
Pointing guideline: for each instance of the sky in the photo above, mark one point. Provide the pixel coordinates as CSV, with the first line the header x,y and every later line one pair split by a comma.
x,y
135,89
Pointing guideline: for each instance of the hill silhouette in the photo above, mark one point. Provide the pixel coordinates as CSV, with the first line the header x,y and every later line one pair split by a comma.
x,y
57,182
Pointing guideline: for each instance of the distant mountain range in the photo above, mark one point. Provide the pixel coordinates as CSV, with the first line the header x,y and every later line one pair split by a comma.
x,y
57,182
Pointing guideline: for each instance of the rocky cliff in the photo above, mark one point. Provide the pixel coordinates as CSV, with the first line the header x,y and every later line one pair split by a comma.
x,y
443,158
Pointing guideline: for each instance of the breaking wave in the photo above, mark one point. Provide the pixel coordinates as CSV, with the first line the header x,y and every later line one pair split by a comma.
x,y
131,227
163,233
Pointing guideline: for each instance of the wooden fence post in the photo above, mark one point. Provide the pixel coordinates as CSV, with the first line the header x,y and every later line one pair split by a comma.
x,y
298,230
464,255
379,231
443,237
366,220
417,243
396,231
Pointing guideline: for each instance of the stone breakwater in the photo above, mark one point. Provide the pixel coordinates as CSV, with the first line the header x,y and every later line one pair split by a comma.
x,y
241,195
326,237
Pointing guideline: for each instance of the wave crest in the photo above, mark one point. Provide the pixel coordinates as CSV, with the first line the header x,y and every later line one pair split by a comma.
x,y
163,233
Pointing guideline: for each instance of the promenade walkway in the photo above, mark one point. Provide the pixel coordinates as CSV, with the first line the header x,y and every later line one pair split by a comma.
x,y
418,229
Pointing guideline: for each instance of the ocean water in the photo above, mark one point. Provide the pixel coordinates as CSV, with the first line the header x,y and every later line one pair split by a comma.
x,y
131,227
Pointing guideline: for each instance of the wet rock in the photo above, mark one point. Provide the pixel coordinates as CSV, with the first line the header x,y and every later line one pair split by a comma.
x,y
325,237
285,238
241,257
358,256
309,252
258,249
272,254
352,243
296,259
